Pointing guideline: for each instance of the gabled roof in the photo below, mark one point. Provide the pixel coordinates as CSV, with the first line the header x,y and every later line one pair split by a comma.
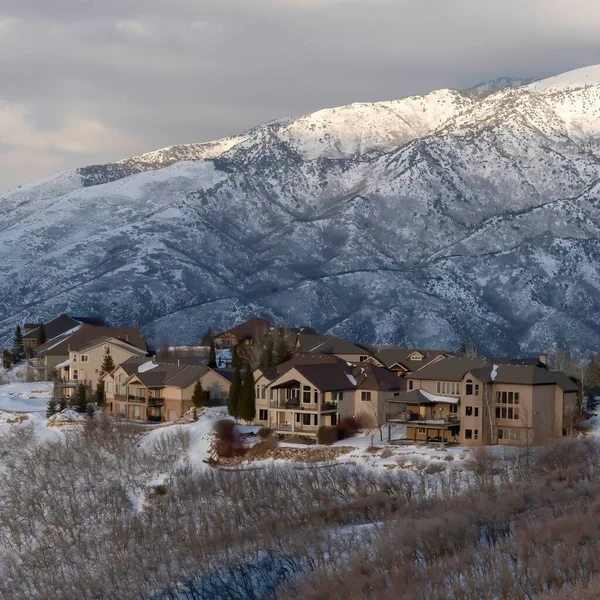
x,y
447,369
53,328
421,397
327,344
82,335
372,377
389,357
255,327
109,339
273,373
327,377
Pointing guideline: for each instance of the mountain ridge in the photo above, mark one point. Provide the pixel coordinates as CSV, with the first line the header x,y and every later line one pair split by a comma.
x,y
427,221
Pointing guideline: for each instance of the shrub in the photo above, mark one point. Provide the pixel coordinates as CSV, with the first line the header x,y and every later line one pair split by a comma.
x,y
327,435
387,452
264,432
228,442
348,426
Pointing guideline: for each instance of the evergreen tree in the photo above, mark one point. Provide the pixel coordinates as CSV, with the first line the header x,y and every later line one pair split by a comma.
x,y
195,414
207,338
198,396
51,408
100,395
42,334
108,365
18,346
89,411
6,359
283,352
235,390
267,359
212,355
247,404
80,399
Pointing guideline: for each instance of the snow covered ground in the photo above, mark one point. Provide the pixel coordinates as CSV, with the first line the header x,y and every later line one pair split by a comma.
x,y
25,397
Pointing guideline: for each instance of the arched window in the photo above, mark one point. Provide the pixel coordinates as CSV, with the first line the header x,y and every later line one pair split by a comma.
x,y
469,387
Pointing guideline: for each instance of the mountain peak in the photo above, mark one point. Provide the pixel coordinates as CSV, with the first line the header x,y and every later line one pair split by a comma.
x,y
571,80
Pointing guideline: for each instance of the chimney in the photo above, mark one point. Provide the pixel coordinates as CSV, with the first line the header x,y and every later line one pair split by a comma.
x,y
543,359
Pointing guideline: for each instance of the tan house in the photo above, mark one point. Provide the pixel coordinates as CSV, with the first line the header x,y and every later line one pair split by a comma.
x,y
58,350
251,331
144,390
517,403
304,396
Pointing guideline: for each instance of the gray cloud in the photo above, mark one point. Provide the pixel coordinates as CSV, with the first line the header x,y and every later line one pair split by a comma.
x,y
85,82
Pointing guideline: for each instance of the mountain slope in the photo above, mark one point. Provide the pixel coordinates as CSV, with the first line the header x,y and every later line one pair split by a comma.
x,y
425,221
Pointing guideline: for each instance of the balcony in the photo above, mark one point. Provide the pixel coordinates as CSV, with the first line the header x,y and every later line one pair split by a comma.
x,y
324,406
140,399
156,401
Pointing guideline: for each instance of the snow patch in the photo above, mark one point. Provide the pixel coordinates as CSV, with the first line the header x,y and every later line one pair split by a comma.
x,y
147,366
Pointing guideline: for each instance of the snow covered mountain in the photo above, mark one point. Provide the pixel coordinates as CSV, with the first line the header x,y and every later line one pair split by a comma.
x,y
428,221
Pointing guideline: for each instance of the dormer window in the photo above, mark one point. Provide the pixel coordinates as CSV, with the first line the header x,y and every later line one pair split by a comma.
x,y
415,357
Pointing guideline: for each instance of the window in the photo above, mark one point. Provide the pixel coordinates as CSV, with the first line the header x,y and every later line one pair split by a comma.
x,y
469,387
316,419
421,429
476,434
500,434
468,411
305,419
136,412
365,396
297,417
334,419
448,387
316,397
122,410
468,434
263,414
75,374
263,392
337,396
476,411
415,357
306,394
271,394
109,387
74,359
453,409
411,384
362,358
84,358
508,408
477,389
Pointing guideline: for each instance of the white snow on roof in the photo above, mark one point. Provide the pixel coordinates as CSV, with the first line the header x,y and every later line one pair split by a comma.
x,y
351,379
65,363
147,366
62,337
439,399
494,373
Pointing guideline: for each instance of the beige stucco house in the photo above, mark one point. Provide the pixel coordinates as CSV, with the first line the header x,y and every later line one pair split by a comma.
x,y
145,390
476,402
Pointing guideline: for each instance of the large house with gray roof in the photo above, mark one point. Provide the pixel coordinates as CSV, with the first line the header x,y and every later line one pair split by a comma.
x,y
478,402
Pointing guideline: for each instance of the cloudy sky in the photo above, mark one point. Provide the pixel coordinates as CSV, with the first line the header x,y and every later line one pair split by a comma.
x,y
83,81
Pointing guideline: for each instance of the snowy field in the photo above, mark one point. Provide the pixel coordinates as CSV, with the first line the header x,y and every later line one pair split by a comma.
x,y
25,397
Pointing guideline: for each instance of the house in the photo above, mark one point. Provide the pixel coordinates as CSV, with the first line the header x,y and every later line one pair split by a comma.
x,y
305,396
144,390
84,364
57,350
54,328
249,332
329,344
477,402
403,361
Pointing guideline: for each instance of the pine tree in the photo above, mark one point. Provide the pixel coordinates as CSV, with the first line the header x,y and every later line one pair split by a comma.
x,y
108,365
235,390
100,395
89,411
283,352
42,334
212,355
18,346
207,338
6,359
80,399
235,358
267,359
247,404
198,396
51,408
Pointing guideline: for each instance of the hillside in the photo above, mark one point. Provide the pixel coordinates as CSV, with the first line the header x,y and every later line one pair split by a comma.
x,y
426,221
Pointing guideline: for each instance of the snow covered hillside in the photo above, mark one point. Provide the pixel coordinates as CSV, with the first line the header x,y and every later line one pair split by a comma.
x,y
427,221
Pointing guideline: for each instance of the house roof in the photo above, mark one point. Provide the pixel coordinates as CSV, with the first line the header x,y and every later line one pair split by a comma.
x,y
53,328
447,369
372,377
327,377
327,344
421,397
388,357
254,327
83,335
109,339
524,375
273,373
